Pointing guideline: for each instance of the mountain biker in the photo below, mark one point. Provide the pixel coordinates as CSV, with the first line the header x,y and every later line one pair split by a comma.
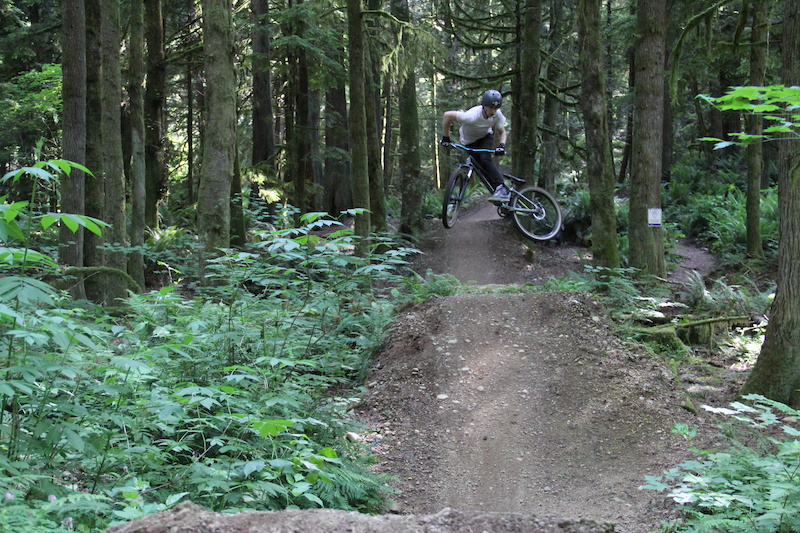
x,y
479,125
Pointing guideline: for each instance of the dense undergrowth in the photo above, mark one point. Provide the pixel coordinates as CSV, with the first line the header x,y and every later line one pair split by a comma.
x,y
234,394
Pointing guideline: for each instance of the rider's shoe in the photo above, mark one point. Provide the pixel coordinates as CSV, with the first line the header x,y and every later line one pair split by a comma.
x,y
501,194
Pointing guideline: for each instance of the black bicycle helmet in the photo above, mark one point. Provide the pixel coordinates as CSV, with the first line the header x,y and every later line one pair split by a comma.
x,y
492,98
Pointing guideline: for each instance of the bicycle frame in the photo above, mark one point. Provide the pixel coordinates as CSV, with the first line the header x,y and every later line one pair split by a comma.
x,y
471,167
535,212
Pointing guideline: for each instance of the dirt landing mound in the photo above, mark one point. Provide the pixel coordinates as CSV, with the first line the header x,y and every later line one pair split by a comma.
x,y
523,403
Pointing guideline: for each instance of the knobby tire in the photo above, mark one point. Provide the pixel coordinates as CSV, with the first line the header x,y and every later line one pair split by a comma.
x,y
545,222
453,196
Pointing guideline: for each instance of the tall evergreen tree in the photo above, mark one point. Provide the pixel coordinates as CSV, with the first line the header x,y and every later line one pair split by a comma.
x,y
412,187
646,240
93,249
776,373
263,116
154,104
113,165
605,249
358,120
74,131
214,192
136,72
755,151
525,115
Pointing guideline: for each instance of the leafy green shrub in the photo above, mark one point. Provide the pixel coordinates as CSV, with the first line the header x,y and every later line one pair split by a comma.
x,y
423,288
231,397
752,486
720,222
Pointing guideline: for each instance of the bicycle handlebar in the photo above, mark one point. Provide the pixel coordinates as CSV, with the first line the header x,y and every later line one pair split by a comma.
x,y
462,147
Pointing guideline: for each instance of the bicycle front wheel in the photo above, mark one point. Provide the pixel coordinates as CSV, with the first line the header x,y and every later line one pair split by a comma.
x,y
536,213
454,194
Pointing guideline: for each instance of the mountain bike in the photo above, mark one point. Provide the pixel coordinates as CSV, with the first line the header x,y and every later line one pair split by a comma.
x,y
535,211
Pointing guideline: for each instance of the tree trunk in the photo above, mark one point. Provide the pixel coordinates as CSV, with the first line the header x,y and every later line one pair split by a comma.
x,y
754,124
214,193
338,195
358,123
646,250
73,188
377,191
190,108
136,113
526,90
263,119
238,224
377,196
551,112
93,250
113,164
315,152
155,101
412,187
389,138
776,373
605,249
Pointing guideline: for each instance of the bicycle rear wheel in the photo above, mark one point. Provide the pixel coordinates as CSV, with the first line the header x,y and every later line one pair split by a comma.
x,y
454,194
536,213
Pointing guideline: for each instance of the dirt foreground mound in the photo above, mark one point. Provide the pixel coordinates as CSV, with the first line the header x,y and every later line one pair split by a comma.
x,y
523,403
190,518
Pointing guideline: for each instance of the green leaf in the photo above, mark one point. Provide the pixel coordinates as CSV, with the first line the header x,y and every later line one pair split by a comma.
x,y
271,428
26,290
74,440
172,499
330,453
253,466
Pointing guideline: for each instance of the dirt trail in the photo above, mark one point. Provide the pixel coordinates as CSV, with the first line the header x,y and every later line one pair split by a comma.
x,y
523,403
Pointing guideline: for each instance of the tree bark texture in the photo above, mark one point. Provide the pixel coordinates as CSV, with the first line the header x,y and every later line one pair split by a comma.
x,y
754,123
93,250
113,164
412,187
214,192
263,119
136,117
74,133
338,195
377,196
776,373
551,111
358,122
526,90
646,243
605,249
155,102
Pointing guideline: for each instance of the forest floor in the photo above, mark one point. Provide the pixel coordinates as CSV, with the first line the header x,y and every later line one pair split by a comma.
x,y
503,410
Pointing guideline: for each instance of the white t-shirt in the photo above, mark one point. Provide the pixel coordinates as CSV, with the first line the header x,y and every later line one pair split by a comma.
x,y
474,126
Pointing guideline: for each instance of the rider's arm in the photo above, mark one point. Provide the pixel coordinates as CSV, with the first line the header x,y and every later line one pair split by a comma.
x,y
500,135
448,118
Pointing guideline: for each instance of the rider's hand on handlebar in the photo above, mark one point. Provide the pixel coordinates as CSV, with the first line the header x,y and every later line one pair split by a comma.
x,y
500,150
446,141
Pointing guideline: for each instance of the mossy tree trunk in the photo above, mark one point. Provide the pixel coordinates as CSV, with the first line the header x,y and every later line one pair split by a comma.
x,y
358,122
646,240
776,373
214,193
74,135
113,165
605,251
